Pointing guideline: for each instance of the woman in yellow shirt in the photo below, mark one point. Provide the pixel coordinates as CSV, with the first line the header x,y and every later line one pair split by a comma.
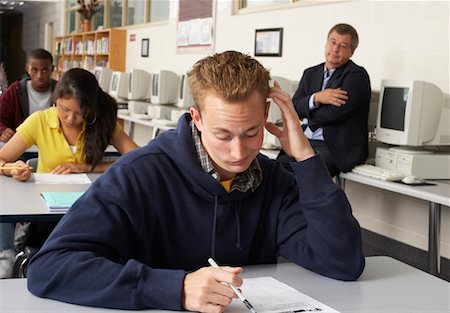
x,y
72,135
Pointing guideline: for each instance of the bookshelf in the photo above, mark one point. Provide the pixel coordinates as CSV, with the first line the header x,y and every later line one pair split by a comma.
x,y
87,50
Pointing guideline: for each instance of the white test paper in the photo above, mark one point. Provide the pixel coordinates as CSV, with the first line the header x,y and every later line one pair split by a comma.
x,y
45,178
267,294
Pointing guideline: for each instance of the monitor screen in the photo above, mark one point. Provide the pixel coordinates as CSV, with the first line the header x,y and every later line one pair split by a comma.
x,y
119,85
103,76
115,82
155,83
185,99
394,108
97,74
182,82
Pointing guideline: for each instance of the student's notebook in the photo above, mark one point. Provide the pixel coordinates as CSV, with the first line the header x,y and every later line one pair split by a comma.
x,y
60,201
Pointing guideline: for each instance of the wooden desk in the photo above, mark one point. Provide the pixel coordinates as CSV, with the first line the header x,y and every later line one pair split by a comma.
x,y
21,201
386,285
435,196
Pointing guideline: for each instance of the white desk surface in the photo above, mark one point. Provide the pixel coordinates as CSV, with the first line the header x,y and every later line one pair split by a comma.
x,y
22,200
440,193
386,285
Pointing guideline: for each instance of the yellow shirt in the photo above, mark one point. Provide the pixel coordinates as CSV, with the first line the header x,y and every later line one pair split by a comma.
x,y
226,184
42,129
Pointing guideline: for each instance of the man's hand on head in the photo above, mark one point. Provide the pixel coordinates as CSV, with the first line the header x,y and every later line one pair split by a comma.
x,y
336,97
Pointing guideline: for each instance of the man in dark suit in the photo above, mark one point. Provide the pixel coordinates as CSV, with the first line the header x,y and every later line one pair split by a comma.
x,y
332,100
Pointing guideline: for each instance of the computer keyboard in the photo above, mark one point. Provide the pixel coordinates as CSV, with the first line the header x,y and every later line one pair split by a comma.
x,y
378,172
164,122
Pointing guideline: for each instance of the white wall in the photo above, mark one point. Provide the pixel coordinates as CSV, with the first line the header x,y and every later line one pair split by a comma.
x,y
398,39
34,20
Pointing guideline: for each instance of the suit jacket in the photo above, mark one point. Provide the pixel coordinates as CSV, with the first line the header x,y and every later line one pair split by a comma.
x,y
14,106
344,128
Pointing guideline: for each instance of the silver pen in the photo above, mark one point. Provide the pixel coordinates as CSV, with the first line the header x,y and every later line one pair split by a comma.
x,y
240,296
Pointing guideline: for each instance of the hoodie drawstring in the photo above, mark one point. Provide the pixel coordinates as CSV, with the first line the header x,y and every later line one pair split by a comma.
x,y
213,239
238,226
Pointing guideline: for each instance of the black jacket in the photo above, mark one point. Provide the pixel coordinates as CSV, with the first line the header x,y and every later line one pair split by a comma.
x,y
344,128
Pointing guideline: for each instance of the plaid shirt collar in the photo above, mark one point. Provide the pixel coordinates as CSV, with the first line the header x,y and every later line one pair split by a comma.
x,y
249,179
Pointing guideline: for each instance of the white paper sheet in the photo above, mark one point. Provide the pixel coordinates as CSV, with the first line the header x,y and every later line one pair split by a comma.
x,y
267,294
40,178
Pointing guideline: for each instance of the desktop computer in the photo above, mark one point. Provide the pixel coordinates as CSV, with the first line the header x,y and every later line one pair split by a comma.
x,y
414,118
421,163
160,112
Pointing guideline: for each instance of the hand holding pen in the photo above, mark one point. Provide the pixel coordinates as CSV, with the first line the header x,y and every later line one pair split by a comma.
x,y
205,290
235,290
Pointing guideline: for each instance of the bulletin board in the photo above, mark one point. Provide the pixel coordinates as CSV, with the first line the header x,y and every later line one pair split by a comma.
x,y
195,26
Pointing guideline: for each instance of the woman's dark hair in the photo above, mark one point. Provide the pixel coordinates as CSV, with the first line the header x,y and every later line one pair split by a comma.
x,y
98,108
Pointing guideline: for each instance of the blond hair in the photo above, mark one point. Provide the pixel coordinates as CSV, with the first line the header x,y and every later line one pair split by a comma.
x,y
230,75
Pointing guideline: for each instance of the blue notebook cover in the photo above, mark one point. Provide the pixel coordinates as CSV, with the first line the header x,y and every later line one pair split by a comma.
x,y
60,201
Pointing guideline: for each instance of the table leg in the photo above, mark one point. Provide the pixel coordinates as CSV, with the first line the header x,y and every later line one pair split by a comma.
x,y
434,237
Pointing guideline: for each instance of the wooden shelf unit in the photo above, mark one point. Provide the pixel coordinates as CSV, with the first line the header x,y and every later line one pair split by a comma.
x,y
87,50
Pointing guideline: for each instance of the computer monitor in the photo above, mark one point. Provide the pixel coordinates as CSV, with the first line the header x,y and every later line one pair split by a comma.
x,y
139,84
103,75
411,113
119,85
185,99
164,87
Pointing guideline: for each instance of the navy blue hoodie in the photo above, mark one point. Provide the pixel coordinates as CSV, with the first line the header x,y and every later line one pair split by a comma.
x,y
156,214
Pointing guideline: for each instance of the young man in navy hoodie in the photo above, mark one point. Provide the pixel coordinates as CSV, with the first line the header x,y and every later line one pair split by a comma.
x,y
140,237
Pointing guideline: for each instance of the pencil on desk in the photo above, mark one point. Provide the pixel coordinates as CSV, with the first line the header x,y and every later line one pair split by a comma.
x,y
16,168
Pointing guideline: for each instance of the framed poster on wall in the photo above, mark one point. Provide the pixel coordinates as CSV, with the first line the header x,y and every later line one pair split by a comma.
x,y
145,47
269,42
195,26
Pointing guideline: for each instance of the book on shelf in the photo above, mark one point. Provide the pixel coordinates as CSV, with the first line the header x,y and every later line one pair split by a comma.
x,y
60,201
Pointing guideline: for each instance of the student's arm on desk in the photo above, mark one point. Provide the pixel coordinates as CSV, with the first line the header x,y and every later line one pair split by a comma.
x,y
316,226
95,261
9,153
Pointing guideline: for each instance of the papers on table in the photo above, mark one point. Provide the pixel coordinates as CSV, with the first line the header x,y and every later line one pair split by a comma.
x,y
267,294
60,201
40,178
